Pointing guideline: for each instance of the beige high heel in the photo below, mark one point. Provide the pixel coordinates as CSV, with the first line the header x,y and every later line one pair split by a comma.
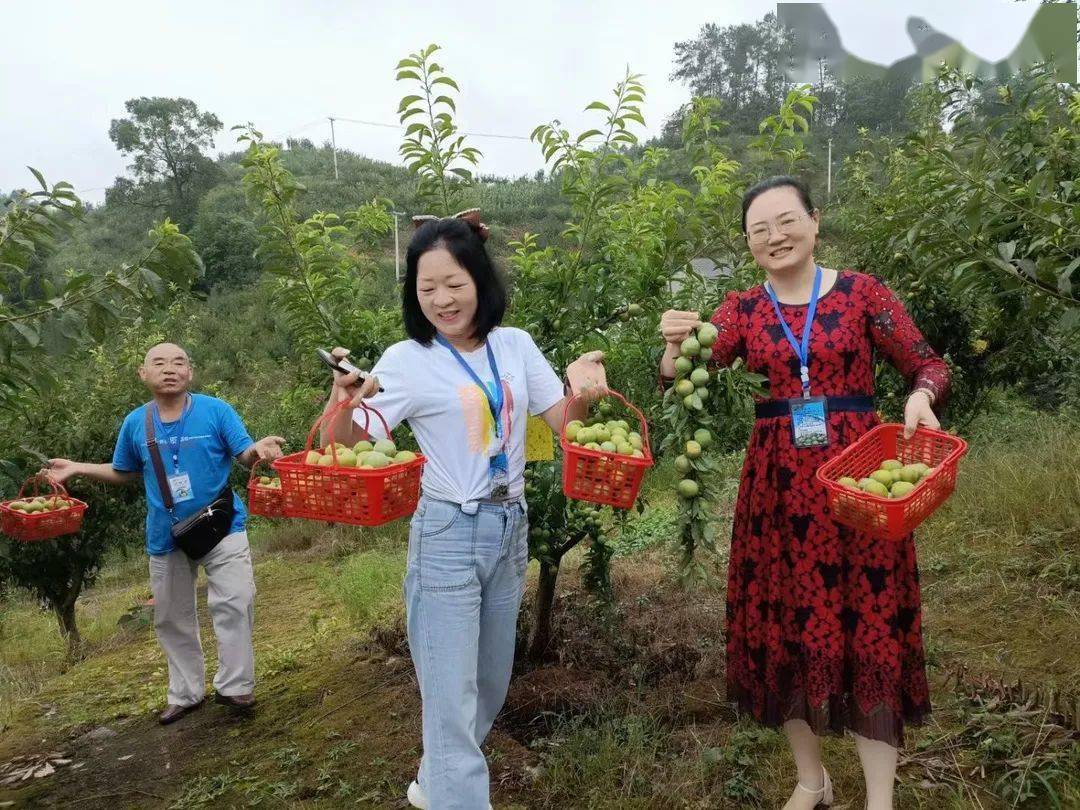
x,y
825,792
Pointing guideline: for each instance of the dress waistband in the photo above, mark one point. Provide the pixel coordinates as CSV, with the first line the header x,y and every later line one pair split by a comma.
x,y
772,408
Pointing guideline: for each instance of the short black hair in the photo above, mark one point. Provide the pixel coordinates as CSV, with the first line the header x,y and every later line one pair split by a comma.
x,y
459,238
777,181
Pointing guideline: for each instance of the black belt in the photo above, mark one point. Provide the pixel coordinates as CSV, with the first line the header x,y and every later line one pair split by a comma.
x,y
771,408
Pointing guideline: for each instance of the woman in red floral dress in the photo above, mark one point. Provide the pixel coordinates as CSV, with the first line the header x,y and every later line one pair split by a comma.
x,y
823,622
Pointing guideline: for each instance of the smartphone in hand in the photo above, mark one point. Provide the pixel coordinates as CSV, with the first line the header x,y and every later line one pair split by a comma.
x,y
342,366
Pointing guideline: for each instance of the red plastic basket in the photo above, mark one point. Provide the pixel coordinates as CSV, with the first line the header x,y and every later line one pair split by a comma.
x,y
30,528
892,518
263,500
348,494
599,477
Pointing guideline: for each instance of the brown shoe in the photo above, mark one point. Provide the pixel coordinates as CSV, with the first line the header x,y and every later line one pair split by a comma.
x,y
235,701
173,713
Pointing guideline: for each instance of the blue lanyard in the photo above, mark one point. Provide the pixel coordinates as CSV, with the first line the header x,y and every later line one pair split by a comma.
x,y
495,403
802,351
189,406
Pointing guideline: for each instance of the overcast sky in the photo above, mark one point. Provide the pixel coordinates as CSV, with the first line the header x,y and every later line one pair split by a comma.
x,y
66,67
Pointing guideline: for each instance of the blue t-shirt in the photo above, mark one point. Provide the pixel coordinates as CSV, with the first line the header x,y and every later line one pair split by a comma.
x,y
213,435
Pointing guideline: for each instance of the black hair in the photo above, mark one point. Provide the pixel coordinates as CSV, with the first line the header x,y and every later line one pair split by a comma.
x,y
464,243
778,181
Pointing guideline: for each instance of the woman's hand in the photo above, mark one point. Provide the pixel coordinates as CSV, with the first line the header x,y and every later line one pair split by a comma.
x,y
345,385
918,411
268,448
587,377
677,325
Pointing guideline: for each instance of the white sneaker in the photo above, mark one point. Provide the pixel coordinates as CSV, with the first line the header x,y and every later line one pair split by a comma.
x,y
417,798
415,795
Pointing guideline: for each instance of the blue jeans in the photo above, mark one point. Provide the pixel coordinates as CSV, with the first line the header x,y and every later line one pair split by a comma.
x,y
463,587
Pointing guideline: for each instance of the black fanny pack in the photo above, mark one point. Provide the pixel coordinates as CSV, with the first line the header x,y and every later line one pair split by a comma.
x,y
198,534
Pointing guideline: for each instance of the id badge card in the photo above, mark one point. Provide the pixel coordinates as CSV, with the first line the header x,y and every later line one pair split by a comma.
x,y
809,421
180,486
500,481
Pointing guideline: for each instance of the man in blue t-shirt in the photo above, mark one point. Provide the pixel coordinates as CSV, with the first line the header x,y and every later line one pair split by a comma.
x,y
199,437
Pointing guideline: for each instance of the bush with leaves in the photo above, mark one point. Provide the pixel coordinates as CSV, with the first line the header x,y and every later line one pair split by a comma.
x,y
227,244
44,319
434,149
696,408
241,351
100,386
327,284
43,316
973,219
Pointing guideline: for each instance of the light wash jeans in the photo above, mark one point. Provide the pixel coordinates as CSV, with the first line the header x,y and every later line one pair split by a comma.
x,y
463,587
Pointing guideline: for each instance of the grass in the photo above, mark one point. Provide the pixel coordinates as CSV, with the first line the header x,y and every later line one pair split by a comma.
x,y
368,585
33,649
638,761
1001,560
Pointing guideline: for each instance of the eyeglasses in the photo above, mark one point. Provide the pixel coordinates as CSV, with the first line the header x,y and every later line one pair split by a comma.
x,y
787,224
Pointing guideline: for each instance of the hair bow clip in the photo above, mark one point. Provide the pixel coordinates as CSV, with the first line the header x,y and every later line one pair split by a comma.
x,y
471,216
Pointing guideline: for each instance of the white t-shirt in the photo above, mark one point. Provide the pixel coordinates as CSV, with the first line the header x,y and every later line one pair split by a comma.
x,y
450,416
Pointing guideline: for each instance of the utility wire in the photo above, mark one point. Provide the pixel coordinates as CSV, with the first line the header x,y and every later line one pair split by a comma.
x,y
399,126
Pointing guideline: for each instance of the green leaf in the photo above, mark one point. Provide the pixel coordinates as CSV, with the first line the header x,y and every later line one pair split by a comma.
x,y
41,179
28,332
447,81
599,105
408,74
961,268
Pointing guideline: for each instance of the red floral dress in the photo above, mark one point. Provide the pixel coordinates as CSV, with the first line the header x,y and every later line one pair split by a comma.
x,y
823,622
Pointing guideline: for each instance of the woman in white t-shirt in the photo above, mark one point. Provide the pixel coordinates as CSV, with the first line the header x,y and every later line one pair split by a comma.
x,y
468,546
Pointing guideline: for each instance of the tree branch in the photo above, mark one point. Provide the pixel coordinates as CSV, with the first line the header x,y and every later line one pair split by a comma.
x,y
90,292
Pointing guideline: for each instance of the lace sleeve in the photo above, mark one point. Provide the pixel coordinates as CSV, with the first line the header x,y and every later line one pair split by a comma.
x,y
895,334
729,340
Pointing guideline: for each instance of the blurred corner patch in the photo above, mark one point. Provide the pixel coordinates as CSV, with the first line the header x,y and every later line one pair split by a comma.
x,y
1050,37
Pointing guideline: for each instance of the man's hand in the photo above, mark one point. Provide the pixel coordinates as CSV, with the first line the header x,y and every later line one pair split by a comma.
x,y
61,469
